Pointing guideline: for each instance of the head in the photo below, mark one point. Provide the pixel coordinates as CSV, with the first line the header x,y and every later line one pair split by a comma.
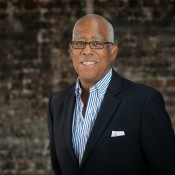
x,y
91,64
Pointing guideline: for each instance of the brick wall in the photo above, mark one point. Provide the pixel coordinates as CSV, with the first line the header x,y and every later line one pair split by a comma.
x,y
34,62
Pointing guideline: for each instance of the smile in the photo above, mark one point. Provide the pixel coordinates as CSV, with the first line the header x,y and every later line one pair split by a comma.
x,y
88,63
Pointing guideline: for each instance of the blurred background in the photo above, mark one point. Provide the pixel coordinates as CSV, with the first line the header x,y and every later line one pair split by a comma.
x,y
34,63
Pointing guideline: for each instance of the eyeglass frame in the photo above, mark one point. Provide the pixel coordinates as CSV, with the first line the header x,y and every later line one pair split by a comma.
x,y
85,43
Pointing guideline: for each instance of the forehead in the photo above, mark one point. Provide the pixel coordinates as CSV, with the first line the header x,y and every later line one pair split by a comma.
x,y
88,36
90,29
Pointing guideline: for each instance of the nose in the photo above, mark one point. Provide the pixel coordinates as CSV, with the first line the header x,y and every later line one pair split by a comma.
x,y
87,50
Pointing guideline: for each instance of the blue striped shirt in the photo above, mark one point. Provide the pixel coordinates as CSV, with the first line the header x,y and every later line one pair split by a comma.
x,y
82,126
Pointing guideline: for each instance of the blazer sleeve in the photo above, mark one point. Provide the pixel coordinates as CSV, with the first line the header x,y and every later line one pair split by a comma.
x,y
54,160
157,136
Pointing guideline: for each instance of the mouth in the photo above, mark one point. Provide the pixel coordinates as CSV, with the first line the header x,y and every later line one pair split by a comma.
x,y
88,63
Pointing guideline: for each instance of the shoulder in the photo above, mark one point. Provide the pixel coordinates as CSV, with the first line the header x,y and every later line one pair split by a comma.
x,y
140,97
62,94
137,87
142,93
132,89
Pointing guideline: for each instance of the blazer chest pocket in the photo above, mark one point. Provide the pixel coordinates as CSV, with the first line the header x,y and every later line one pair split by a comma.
x,y
115,138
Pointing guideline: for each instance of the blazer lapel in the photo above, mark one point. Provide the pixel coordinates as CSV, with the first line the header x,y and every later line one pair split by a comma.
x,y
107,110
69,105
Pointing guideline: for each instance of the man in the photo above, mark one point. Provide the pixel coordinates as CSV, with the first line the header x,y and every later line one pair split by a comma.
x,y
104,124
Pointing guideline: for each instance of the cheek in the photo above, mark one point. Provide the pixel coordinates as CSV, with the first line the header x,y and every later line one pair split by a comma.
x,y
76,64
105,60
74,53
74,58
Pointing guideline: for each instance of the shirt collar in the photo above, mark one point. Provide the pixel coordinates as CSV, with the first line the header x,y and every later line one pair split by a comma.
x,y
78,88
100,87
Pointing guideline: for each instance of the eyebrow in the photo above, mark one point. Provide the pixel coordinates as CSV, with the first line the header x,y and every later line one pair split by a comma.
x,y
93,37
97,36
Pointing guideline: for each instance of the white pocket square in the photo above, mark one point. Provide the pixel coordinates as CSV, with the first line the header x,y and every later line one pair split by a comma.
x,y
117,133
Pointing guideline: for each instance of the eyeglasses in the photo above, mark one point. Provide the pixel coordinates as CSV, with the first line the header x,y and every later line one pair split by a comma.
x,y
92,44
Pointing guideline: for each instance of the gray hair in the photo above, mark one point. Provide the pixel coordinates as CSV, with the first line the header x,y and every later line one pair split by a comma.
x,y
110,29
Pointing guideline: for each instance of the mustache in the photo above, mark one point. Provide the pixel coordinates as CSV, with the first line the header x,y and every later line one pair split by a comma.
x,y
81,59
87,58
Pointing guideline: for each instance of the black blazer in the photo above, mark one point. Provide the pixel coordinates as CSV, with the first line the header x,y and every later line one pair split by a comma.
x,y
146,148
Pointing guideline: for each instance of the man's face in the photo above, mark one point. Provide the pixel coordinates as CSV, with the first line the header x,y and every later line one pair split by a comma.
x,y
92,64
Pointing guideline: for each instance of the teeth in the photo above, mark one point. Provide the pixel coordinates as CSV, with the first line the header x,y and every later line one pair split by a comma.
x,y
88,63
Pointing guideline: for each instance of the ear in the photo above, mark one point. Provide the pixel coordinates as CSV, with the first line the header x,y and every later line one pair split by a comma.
x,y
114,52
70,50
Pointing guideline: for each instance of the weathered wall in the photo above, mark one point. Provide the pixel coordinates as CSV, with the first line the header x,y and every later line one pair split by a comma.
x,y
34,62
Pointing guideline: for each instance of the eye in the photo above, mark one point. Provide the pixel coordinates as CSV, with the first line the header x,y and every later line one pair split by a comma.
x,y
79,43
97,44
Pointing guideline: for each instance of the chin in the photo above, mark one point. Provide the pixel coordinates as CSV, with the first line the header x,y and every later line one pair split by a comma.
x,y
89,78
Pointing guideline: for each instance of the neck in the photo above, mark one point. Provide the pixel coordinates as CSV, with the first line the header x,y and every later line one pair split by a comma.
x,y
85,93
84,98
86,85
